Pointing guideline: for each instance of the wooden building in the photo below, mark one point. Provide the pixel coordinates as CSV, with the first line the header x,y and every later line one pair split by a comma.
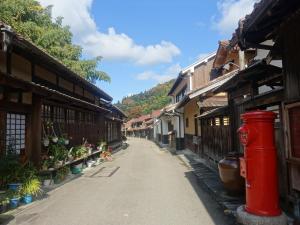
x,y
182,114
37,90
273,27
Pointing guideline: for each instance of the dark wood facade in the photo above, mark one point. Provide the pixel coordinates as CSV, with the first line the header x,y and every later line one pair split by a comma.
x,y
36,89
277,21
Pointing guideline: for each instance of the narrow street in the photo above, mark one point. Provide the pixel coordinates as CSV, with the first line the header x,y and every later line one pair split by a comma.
x,y
142,186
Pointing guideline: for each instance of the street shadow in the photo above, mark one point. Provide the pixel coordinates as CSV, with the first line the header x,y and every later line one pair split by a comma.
x,y
6,219
215,210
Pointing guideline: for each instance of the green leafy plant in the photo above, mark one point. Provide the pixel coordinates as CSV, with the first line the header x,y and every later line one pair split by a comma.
x,y
29,171
79,151
58,151
4,199
10,169
31,187
62,173
12,194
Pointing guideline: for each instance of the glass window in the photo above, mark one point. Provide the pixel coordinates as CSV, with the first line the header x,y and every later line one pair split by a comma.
x,y
15,133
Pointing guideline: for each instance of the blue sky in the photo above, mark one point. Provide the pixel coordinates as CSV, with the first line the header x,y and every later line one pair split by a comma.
x,y
144,42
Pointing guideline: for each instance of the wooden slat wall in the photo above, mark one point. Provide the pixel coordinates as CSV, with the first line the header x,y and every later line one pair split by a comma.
x,y
216,140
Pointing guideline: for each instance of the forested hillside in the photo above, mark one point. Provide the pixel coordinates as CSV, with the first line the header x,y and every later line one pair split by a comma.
x,y
147,101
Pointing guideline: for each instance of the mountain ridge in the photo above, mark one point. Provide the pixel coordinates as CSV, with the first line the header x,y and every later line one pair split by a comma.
x,y
145,102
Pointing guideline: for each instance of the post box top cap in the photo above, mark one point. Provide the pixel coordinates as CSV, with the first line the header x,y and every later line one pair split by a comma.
x,y
259,114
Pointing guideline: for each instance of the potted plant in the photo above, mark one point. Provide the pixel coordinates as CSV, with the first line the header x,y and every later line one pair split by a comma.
x,y
61,174
59,153
14,198
47,181
30,188
46,141
79,151
45,164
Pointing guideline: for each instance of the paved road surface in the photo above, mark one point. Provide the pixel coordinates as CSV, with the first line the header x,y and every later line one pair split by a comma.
x,y
146,187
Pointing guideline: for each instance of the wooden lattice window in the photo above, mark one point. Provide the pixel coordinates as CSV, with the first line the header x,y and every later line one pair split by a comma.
x,y
217,121
70,116
89,117
58,114
15,133
46,112
226,121
81,117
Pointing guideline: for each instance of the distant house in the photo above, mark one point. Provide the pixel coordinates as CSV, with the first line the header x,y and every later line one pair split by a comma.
x,y
140,127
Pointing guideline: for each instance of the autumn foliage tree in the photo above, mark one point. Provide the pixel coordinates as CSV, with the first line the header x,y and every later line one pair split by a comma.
x,y
35,23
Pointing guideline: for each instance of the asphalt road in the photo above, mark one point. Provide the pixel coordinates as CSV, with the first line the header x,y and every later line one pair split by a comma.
x,y
141,186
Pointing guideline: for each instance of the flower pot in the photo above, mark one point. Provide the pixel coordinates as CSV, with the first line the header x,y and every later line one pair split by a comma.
x,y
76,170
90,164
27,199
229,171
14,186
67,142
46,142
78,166
59,163
14,203
54,139
47,182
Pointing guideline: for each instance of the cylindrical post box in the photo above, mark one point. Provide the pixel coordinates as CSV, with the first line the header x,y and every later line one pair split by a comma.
x,y
259,165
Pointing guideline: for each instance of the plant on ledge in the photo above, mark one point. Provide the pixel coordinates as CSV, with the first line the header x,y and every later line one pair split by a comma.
x,y
78,151
59,153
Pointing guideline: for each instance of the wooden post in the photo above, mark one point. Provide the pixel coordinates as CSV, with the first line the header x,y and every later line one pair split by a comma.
x,y
36,129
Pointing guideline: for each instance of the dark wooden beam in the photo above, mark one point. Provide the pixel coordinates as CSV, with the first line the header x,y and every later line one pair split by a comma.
x,y
36,124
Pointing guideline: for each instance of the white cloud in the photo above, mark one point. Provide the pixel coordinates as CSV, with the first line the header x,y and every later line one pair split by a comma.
x,y
110,45
170,73
231,11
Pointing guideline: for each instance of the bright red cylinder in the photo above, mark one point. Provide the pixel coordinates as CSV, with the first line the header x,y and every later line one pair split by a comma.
x,y
259,165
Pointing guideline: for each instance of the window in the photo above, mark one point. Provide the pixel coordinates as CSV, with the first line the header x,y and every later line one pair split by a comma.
x,y
217,121
186,122
226,121
70,116
46,112
81,117
15,133
170,126
58,114
181,94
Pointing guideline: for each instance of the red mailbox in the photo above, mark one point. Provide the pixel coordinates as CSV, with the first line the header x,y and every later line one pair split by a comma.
x,y
259,165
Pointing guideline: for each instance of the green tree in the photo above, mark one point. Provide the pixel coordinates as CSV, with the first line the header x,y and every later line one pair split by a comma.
x,y
35,23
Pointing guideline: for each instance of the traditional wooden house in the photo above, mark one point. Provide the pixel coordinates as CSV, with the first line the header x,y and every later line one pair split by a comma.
x,y
140,127
179,120
40,96
272,27
213,107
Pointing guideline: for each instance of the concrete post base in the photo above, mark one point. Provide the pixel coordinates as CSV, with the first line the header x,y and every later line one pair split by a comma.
x,y
246,218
